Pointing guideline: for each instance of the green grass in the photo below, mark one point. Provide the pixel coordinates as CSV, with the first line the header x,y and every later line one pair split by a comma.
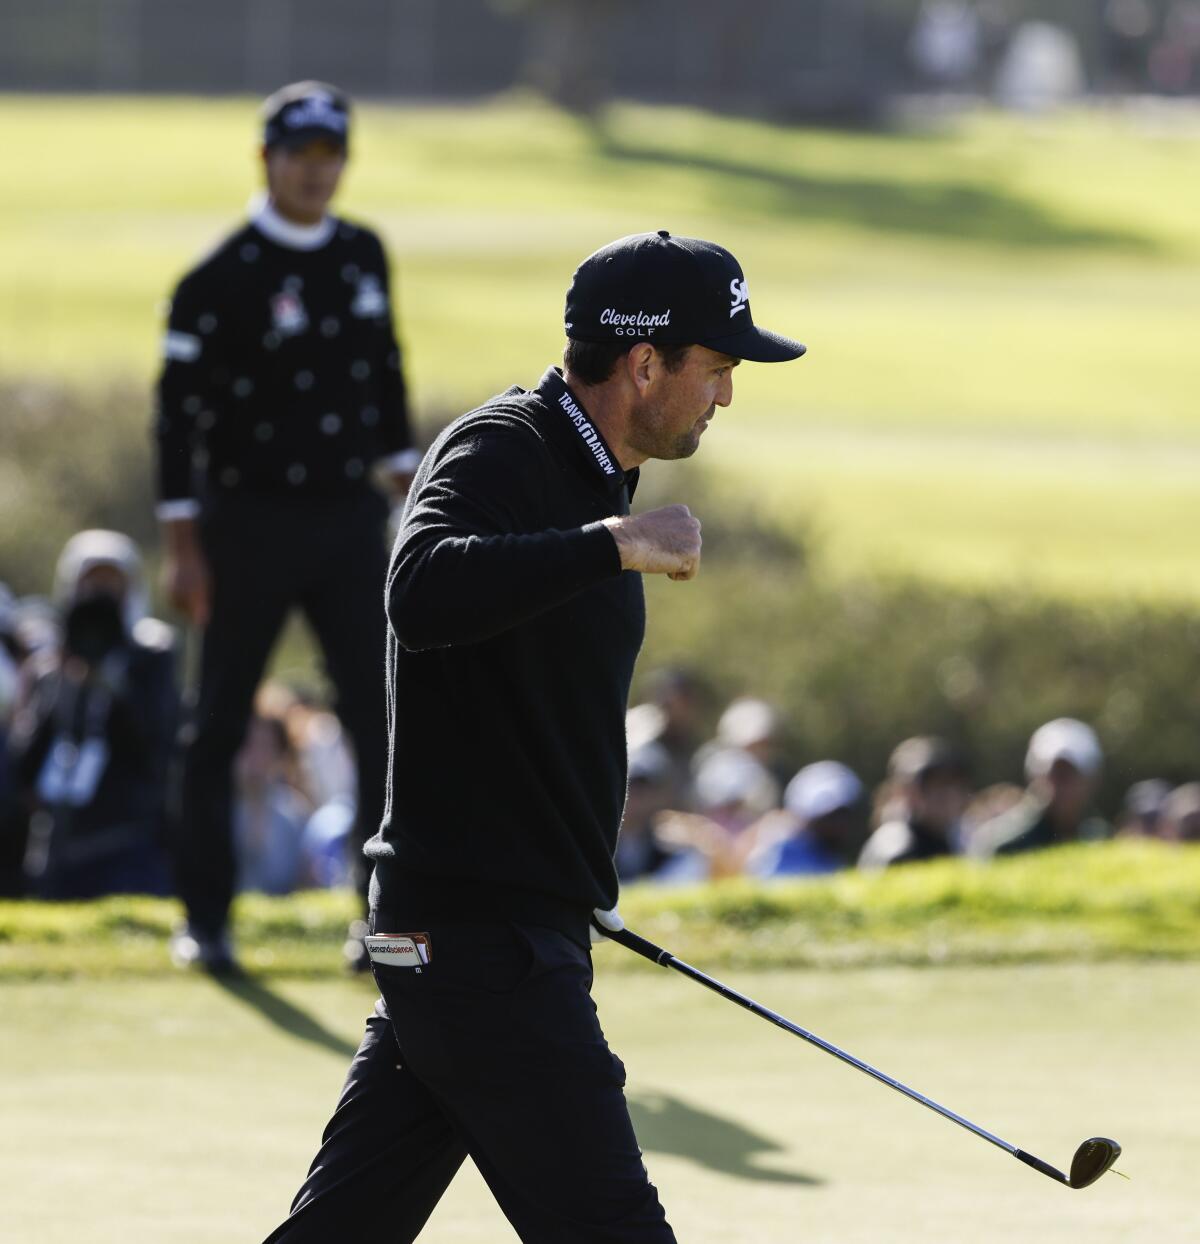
x,y
1124,900
145,1104
1001,314
181,1112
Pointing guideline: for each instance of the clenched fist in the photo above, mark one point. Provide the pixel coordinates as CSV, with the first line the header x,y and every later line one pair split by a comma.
x,y
664,541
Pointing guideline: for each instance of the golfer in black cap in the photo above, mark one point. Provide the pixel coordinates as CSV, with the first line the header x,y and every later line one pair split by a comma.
x,y
515,602
281,395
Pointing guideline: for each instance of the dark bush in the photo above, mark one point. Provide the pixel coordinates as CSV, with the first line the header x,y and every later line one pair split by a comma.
x,y
859,664
71,460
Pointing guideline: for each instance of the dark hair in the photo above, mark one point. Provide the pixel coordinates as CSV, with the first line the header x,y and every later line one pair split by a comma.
x,y
592,362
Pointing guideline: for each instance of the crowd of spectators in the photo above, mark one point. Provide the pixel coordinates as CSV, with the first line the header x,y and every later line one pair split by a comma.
x,y
996,47
704,810
88,717
91,713
91,710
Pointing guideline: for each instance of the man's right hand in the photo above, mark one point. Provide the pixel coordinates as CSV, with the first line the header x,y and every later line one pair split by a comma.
x,y
185,574
664,541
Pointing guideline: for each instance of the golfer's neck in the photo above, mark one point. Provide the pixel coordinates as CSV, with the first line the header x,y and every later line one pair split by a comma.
x,y
305,218
609,411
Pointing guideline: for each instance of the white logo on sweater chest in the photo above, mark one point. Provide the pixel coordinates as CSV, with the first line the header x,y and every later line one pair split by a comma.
x,y
288,315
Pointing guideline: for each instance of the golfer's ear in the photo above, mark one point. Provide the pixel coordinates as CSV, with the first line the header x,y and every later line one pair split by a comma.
x,y
641,363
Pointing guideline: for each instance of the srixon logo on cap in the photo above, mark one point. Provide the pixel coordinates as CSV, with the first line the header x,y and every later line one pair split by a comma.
x,y
741,296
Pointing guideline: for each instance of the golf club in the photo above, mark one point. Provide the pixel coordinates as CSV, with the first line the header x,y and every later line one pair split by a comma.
x,y
1091,1160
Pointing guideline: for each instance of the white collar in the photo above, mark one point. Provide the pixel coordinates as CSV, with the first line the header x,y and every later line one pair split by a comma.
x,y
271,224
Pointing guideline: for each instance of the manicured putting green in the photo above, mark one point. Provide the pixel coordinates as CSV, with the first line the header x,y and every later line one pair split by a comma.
x,y
176,1110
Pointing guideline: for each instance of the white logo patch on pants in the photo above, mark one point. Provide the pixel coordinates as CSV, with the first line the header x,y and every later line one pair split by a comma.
x,y
399,950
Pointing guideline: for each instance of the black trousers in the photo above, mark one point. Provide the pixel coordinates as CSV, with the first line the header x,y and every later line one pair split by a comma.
x,y
268,556
493,1050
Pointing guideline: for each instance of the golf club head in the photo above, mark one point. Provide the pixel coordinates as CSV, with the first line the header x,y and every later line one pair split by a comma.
x,y
1092,1159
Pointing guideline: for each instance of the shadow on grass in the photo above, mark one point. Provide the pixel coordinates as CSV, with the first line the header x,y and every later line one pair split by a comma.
x,y
666,1124
945,208
284,1015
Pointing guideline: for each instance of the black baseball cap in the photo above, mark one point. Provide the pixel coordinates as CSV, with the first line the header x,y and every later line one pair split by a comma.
x,y
682,291
305,111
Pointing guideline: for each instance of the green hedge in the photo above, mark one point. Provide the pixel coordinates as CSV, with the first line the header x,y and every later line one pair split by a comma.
x,y
1118,900
71,460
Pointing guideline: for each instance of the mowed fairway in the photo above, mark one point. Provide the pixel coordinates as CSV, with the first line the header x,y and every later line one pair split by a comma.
x,y
176,1111
1001,313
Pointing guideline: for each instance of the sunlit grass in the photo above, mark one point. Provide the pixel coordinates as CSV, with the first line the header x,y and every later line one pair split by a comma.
x,y
195,1109
1001,313
1120,900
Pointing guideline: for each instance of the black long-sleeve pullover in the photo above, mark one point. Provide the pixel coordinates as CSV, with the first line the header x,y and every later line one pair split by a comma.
x,y
513,638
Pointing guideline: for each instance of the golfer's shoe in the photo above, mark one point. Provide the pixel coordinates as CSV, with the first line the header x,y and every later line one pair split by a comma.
x,y
214,955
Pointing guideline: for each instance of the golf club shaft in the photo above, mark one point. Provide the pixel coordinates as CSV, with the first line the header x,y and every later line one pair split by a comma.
x,y
656,954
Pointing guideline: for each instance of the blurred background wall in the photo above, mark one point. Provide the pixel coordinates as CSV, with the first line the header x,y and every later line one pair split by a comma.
x,y
801,58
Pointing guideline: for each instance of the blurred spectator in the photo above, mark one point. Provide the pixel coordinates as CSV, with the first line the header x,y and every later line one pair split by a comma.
x,y
323,749
751,726
996,22
644,724
674,845
679,696
748,731
13,817
928,792
945,43
818,829
37,626
1062,767
1142,811
639,853
1127,26
1173,59
734,789
670,718
92,740
1041,69
11,655
1181,814
325,845
269,813
989,803
320,764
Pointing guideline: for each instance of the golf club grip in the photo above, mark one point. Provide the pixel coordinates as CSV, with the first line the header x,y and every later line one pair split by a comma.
x,y
639,945
1039,1165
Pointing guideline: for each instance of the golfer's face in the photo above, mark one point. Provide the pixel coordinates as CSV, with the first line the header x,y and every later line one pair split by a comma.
x,y
302,181
680,404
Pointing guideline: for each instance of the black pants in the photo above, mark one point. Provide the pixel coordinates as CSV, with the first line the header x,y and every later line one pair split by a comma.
x,y
494,1050
266,557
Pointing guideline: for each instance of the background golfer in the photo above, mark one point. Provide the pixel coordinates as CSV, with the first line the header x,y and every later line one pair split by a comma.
x,y
281,390
516,610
